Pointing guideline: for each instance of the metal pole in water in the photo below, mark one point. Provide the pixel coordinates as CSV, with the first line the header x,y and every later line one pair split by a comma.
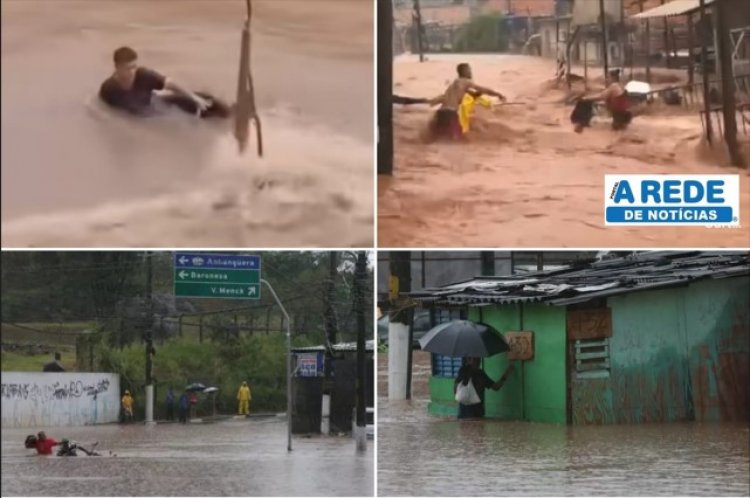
x,y
245,110
288,366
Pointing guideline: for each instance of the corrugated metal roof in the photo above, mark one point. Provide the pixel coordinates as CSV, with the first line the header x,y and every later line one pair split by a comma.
x,y
673,8
580,283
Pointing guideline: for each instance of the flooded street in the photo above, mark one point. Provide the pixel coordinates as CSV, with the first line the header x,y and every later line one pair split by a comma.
x,y
74,173
231,458
425,455
525,179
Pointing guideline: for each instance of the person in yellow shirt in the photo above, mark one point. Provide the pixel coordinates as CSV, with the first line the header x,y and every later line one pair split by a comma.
x,y
244,397
127,406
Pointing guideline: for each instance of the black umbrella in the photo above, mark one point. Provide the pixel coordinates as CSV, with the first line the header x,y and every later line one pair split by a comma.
x,y
464,338
195,386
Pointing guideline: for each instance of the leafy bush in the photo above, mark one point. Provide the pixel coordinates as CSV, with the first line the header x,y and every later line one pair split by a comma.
x,y
485,33
260,360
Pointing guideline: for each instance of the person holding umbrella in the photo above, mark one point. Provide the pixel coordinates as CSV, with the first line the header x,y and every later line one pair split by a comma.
x,y
472,340
472,371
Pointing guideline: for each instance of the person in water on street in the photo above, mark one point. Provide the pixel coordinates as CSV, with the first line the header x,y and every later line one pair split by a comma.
x,y
70,448
616,99
131,88
127,407
445,124
481,381
244,397
41,443
182,407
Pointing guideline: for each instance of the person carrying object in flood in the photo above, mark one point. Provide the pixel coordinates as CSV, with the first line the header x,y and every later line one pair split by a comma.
x,y
446,123
470,378
615,98
131,88
41,443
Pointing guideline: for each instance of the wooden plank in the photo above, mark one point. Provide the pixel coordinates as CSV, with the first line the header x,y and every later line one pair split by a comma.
x,y
588,344
589,324
521,345
599,374
588,356
580,367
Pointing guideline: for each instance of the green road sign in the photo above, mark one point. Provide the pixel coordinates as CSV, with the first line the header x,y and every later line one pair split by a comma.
x,y
192,275
225,291
225,276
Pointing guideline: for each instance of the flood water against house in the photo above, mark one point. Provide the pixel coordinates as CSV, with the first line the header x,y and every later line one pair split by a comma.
x,y
492,457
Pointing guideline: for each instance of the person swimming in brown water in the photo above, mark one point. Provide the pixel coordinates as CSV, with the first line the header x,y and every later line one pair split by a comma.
x,y
131,88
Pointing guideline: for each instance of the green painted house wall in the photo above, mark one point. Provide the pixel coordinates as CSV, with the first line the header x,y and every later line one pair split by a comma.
x,y
535,391
676,354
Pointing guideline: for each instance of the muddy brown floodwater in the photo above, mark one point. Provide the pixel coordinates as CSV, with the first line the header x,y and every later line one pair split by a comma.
x,y
425,455
232,458
77,174
526,179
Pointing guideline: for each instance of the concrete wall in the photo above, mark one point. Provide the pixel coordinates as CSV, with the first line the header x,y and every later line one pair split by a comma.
x,y
536,390
47,399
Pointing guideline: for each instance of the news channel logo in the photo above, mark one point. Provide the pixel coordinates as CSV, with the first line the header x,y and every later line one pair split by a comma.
x,y
672,200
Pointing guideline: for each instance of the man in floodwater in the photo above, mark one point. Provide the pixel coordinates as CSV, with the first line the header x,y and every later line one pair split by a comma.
x,y
41,443
131,88
615,98
446,124
471,371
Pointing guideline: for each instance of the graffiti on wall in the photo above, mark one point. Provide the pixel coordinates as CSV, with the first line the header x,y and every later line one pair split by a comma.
x,y
33,391
521,345
31,399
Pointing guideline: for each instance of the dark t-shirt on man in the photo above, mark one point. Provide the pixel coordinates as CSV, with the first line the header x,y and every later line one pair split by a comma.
x,y
138,98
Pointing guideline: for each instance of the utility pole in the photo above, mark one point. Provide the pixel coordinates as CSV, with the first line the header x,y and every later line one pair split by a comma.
x,y
360,281
704,70
385,86
149,339
605,50
417,20
399,340
331,331
727,83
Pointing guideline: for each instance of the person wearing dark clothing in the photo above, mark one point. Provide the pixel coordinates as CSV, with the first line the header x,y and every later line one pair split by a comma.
x,y
70,448
615,98
54,366
131,89
182,407
481,381
169,401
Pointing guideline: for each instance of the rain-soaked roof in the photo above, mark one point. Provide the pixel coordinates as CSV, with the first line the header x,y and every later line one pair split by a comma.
x,y
586,281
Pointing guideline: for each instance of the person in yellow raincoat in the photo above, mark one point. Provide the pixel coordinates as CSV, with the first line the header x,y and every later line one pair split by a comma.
x,y
467,109
244,397
127,407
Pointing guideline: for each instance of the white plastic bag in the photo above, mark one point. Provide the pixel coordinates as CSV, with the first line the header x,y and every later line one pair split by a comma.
x,y
466,394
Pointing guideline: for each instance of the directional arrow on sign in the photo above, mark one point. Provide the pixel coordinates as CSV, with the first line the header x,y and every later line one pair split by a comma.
x,y
183,260
183,274
251,291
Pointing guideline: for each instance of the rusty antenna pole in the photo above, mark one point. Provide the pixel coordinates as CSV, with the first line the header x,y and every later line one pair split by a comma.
x,y
246,110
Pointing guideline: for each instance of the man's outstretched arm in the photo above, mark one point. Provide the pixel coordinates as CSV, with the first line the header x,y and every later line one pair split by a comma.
x,y
202,103
486,91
